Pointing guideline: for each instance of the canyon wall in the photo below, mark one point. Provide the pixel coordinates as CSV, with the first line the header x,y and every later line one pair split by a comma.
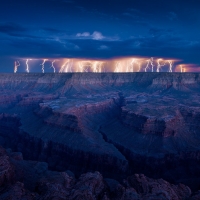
x,y
116,123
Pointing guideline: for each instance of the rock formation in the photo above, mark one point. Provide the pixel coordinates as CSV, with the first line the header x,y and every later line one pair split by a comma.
x,y
116,123
28,180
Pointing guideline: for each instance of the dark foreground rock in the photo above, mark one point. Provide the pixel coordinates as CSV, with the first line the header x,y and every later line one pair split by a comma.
x,y
28,180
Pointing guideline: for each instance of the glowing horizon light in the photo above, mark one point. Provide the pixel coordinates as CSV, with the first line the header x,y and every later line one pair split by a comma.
x,y
117,65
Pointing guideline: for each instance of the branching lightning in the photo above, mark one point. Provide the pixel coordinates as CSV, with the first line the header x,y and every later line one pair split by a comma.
x,y
170,65
131,68
147,66
67,66
63,66
52,66
43,64
127,64
159,65
97,66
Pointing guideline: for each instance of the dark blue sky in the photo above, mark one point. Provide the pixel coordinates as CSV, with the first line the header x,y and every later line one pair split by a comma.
x,y
99,29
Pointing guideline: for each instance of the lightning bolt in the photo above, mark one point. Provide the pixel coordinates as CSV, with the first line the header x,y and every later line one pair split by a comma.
x,y
181,68
152,65
147,66
95,66
159,65
80,67
88,66
71,65
170,65
118,67
130,68
101,68
84,66
63,66
52,66
43,64
27,66
17,64
67,66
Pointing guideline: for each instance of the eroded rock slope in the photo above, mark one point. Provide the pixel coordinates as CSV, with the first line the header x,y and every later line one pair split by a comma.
x,y
116,123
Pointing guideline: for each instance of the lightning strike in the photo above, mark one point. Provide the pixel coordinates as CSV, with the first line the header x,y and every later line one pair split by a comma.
x,y
17,64
27,66
101,67
181,68
159,65
67,66
43,65
95,67
131,67
118,67
152,65
52,66
80,65
170,65
63,67
147,66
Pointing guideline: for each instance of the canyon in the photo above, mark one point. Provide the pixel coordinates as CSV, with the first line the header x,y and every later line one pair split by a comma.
x,y
120,124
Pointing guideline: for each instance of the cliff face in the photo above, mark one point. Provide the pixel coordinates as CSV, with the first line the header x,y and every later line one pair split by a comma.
x,y
116,123
78,81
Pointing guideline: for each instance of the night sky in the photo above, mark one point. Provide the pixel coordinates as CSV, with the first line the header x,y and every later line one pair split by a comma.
x,y
99,29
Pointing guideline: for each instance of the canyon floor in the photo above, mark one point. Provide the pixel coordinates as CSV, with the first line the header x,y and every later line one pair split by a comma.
x,y
100,136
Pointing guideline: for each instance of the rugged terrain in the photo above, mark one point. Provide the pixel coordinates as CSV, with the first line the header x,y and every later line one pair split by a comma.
x,y
31,180
119,124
